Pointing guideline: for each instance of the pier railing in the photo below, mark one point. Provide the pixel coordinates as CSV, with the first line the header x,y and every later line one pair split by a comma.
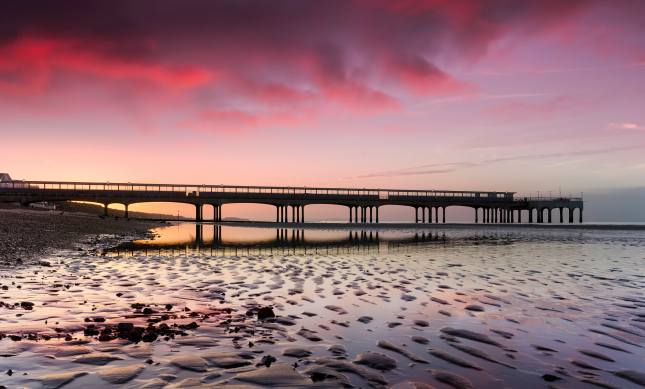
x,y
195,190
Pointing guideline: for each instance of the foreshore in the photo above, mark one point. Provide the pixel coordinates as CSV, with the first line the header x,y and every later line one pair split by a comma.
x,y
26,234
424,226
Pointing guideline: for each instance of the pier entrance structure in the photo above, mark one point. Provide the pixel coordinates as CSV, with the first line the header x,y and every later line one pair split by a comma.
x,y
290,202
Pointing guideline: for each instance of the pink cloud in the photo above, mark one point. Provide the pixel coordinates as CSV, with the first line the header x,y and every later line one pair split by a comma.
x,y
234,121
627,126
33,61
262,59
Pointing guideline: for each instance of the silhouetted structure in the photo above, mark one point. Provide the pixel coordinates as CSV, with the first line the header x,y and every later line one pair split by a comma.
x,y
363,204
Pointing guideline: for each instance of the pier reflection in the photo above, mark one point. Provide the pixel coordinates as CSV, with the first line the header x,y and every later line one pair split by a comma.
x,y
213,239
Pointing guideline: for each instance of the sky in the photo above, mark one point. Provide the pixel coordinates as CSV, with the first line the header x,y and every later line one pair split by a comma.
x,y
525,96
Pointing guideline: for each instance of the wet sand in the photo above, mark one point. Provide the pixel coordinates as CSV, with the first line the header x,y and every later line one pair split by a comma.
x,y
533,309
26,234
426,226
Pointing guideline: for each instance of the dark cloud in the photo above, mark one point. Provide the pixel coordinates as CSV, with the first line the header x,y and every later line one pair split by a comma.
x,y
357,54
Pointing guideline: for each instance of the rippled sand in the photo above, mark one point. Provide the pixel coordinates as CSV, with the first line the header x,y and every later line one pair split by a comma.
x,y
494,309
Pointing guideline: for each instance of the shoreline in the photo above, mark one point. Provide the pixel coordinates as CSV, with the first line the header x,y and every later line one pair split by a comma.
x,y
27,234
408,226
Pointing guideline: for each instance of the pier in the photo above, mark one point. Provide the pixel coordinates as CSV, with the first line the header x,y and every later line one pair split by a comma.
x,y
290,202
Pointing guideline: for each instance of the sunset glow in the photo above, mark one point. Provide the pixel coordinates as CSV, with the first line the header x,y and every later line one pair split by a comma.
x,y
522,96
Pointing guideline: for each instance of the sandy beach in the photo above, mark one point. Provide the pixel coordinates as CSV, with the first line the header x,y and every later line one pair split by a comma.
x,y
27,233
533,308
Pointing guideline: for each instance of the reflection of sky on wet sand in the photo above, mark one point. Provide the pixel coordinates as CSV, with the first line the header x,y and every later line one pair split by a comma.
x,y
543,288
187,233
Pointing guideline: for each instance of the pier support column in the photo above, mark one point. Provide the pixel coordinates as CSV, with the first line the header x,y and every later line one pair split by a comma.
x,y
570,215
277,214
530,215
126,212
416,214
350,215
476,215
376,214
199,234
561,210
302,215
105,209
443,215
423,215
371,208
580,219
519,216
512,212
550,214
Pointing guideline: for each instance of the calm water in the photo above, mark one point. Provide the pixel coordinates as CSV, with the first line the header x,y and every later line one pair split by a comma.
x,y
488,308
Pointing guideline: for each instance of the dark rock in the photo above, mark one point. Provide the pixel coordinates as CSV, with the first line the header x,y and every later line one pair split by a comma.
x,y
28,305
266,360
265,313
550,377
